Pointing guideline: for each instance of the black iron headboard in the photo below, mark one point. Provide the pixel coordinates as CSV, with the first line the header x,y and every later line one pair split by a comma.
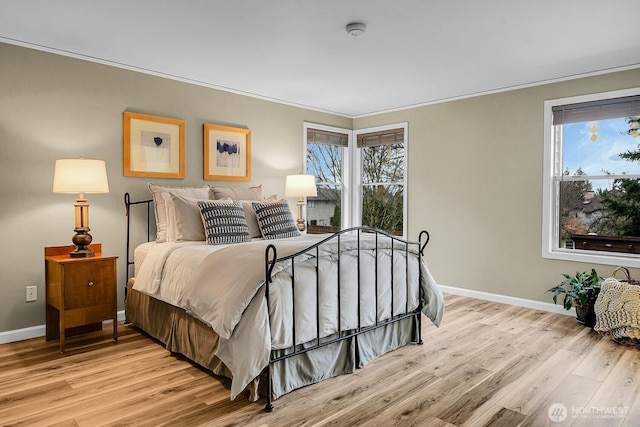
x,y
128,203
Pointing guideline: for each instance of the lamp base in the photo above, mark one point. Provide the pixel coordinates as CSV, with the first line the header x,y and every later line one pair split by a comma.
x,y
82,253
300,222
82,240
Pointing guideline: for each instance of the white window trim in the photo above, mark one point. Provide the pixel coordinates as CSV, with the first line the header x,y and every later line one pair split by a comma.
x,y
550,198
345,220
356,206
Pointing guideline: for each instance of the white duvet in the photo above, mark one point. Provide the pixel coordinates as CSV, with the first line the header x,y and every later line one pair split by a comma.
x,y
223,286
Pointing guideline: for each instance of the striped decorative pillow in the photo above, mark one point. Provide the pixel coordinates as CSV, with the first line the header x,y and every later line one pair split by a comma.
x,y
276,220
224,222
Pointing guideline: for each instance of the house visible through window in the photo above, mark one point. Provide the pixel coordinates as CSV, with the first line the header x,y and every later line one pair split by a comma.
x,y
592,178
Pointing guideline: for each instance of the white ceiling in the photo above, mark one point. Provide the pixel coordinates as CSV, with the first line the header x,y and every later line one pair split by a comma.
x,y
297,51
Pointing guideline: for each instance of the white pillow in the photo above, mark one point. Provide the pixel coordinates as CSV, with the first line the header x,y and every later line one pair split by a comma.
x,y
184,222
160,207
250,215
250,193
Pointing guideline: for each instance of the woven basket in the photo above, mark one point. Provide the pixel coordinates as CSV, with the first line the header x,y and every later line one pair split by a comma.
x,y
628,278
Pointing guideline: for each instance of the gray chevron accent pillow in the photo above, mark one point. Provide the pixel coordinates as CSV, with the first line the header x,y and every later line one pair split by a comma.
x,y
224,222
276,220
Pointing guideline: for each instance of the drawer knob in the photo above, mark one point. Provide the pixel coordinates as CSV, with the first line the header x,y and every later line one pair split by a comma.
x,y
90,283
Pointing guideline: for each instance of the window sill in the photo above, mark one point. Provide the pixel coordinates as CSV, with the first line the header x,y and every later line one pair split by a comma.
x,y
594,257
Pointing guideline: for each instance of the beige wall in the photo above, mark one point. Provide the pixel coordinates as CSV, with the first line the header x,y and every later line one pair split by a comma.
x,y
475,168
475,182
54,107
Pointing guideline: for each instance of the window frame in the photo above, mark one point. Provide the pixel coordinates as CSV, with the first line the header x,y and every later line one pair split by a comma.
x,y
345,210
357,172
551,195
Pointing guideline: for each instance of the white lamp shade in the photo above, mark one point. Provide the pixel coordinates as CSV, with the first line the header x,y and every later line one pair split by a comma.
x,y
300,186
80,176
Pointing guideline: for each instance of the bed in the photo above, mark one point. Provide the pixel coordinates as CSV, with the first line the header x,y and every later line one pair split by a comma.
x,y
273,314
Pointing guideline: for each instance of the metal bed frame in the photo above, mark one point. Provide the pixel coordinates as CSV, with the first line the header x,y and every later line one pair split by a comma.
x,y
127,204
271,259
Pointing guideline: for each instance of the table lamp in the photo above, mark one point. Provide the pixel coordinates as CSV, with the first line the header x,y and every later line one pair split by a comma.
x,y
80,176
300,186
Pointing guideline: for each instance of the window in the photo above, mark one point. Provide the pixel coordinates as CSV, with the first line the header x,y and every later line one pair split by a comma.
x,y
382,159
370,190
592,178
327,157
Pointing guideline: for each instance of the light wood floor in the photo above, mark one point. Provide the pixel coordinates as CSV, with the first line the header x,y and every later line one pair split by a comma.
x,y
487,365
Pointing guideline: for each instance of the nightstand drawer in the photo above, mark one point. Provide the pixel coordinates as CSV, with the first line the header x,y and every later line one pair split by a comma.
x,y
89,284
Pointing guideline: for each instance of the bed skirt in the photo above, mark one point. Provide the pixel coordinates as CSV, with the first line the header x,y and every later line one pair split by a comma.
x,y
183,334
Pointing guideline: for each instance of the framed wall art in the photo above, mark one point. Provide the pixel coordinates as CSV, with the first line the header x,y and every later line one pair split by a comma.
x,y
153,146
227,153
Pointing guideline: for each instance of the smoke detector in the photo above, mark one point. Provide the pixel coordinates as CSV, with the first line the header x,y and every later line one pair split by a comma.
x,y
356,28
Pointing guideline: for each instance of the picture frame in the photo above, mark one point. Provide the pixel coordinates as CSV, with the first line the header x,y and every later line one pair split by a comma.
x,y
227,153
153,146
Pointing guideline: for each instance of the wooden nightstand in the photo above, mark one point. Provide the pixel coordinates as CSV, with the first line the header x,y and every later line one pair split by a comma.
x,y
80,293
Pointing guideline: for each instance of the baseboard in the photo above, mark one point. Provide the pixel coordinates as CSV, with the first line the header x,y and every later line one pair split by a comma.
x,y
519,302
33,332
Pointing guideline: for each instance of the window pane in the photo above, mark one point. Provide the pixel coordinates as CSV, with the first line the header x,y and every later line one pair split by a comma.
x,y
597,147
382,207
383,163
600,207
325,162
324,210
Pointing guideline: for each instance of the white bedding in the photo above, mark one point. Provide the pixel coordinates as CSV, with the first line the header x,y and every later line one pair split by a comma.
x,y
223,286
139,255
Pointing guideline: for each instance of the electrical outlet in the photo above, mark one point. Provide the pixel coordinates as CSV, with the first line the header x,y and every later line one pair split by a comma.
x,y
32,293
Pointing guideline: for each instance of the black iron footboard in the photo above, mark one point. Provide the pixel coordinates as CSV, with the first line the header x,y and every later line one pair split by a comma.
x,y
271,259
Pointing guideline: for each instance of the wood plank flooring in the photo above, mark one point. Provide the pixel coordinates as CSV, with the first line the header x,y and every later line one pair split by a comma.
x,y
489,364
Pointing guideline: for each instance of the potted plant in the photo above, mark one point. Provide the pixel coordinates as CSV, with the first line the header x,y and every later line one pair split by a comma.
x,y
580,291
